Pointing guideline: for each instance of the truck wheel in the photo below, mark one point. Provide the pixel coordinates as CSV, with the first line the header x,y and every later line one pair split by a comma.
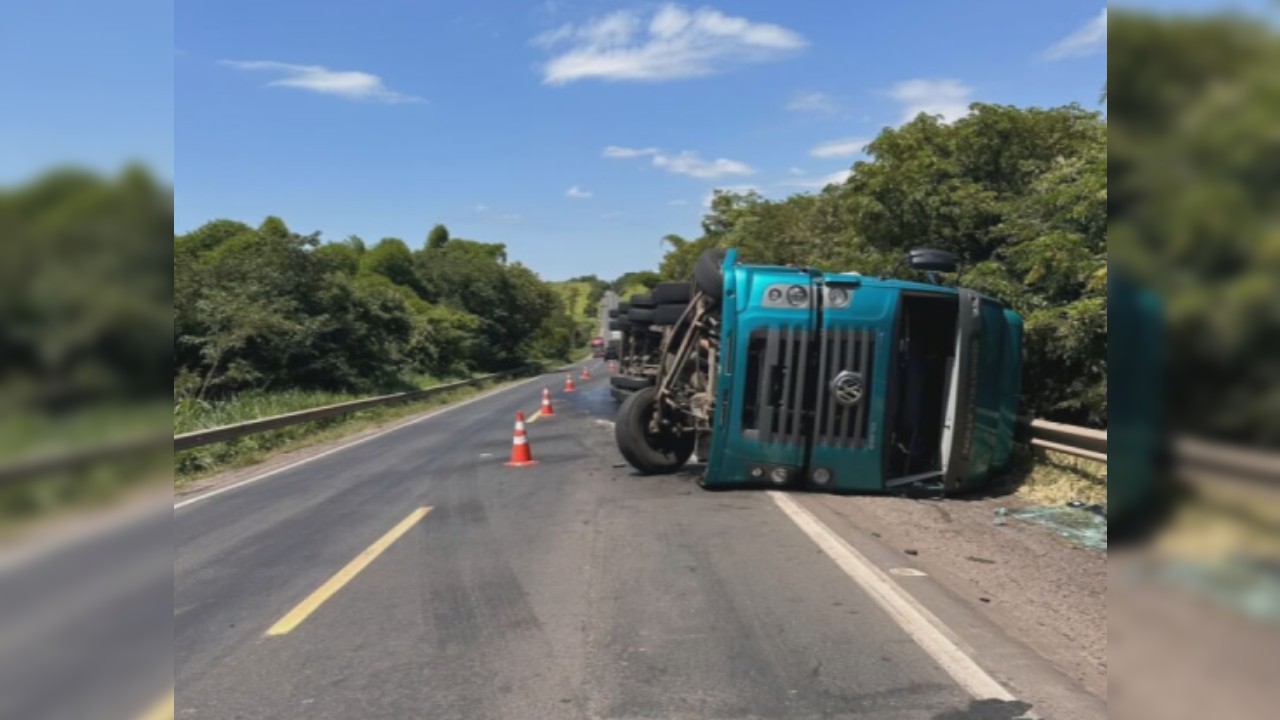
x,y
651,454
623,307
673,293
640,316
708,273
668,314
642,301
630,383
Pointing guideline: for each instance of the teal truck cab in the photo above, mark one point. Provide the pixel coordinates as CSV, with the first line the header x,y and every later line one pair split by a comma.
x,y
791,377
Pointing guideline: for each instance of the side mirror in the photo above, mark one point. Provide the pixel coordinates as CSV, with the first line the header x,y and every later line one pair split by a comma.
x,y
933,260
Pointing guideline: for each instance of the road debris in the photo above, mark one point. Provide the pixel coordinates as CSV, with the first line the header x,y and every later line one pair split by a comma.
x,y
1078,525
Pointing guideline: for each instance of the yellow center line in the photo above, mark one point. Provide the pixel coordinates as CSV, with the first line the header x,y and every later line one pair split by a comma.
x,y
162,710
294,617
533,417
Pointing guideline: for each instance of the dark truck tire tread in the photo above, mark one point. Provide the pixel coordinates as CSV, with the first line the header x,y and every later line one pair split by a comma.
x,y
630,383
641,316
709,275
648,454
673,293
668,314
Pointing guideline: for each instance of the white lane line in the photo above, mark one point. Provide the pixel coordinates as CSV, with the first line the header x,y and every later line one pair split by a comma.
x,y
340,448
923,626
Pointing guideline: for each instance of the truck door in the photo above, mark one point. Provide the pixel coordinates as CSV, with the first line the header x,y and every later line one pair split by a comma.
x,y
980,416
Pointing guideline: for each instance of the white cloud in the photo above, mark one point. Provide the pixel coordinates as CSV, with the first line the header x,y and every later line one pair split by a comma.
x,y
845,147
685,163
504,218
1090,39
349,84
814,102
948,98
730,189
689,163
577,192
817,183
615,151
674,43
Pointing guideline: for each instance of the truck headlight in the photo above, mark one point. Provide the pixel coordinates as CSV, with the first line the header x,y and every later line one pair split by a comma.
x,y
797,295
779,475
821,476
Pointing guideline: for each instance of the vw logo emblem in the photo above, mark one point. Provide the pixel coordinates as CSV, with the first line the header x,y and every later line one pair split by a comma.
x,y
847,387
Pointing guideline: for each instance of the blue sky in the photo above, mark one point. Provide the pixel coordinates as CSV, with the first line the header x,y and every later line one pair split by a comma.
x,y
86,83
578,132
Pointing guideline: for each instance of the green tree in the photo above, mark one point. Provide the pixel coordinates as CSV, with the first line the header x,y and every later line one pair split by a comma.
x,y
438,237
1193,213
392,259
274,228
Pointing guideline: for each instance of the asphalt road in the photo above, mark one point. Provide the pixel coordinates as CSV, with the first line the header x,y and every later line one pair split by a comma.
x,y
571,589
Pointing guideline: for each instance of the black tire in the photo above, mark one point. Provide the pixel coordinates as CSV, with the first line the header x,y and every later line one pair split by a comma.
x,y
642,301
630,383
640,316
709,275
623,307
668,314
615,325
673,293
613,312
619,395
650,454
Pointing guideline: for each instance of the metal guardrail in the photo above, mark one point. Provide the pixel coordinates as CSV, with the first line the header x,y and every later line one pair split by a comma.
x,y
1192,459
1070,439
1200,461
200,438
26,468
39,465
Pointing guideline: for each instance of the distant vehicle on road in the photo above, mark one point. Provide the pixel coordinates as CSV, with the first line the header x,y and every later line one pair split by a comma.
x,y
597,346
784,376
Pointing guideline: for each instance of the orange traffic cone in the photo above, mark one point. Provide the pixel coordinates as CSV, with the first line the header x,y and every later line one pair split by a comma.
x,y
568,382
547,410
521,454
586,373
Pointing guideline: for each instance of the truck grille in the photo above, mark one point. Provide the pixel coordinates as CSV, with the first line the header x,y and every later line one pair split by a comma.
x,y
781,355
844,349
779,407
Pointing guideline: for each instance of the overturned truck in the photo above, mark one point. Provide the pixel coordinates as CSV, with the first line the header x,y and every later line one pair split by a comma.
x,y
787,377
